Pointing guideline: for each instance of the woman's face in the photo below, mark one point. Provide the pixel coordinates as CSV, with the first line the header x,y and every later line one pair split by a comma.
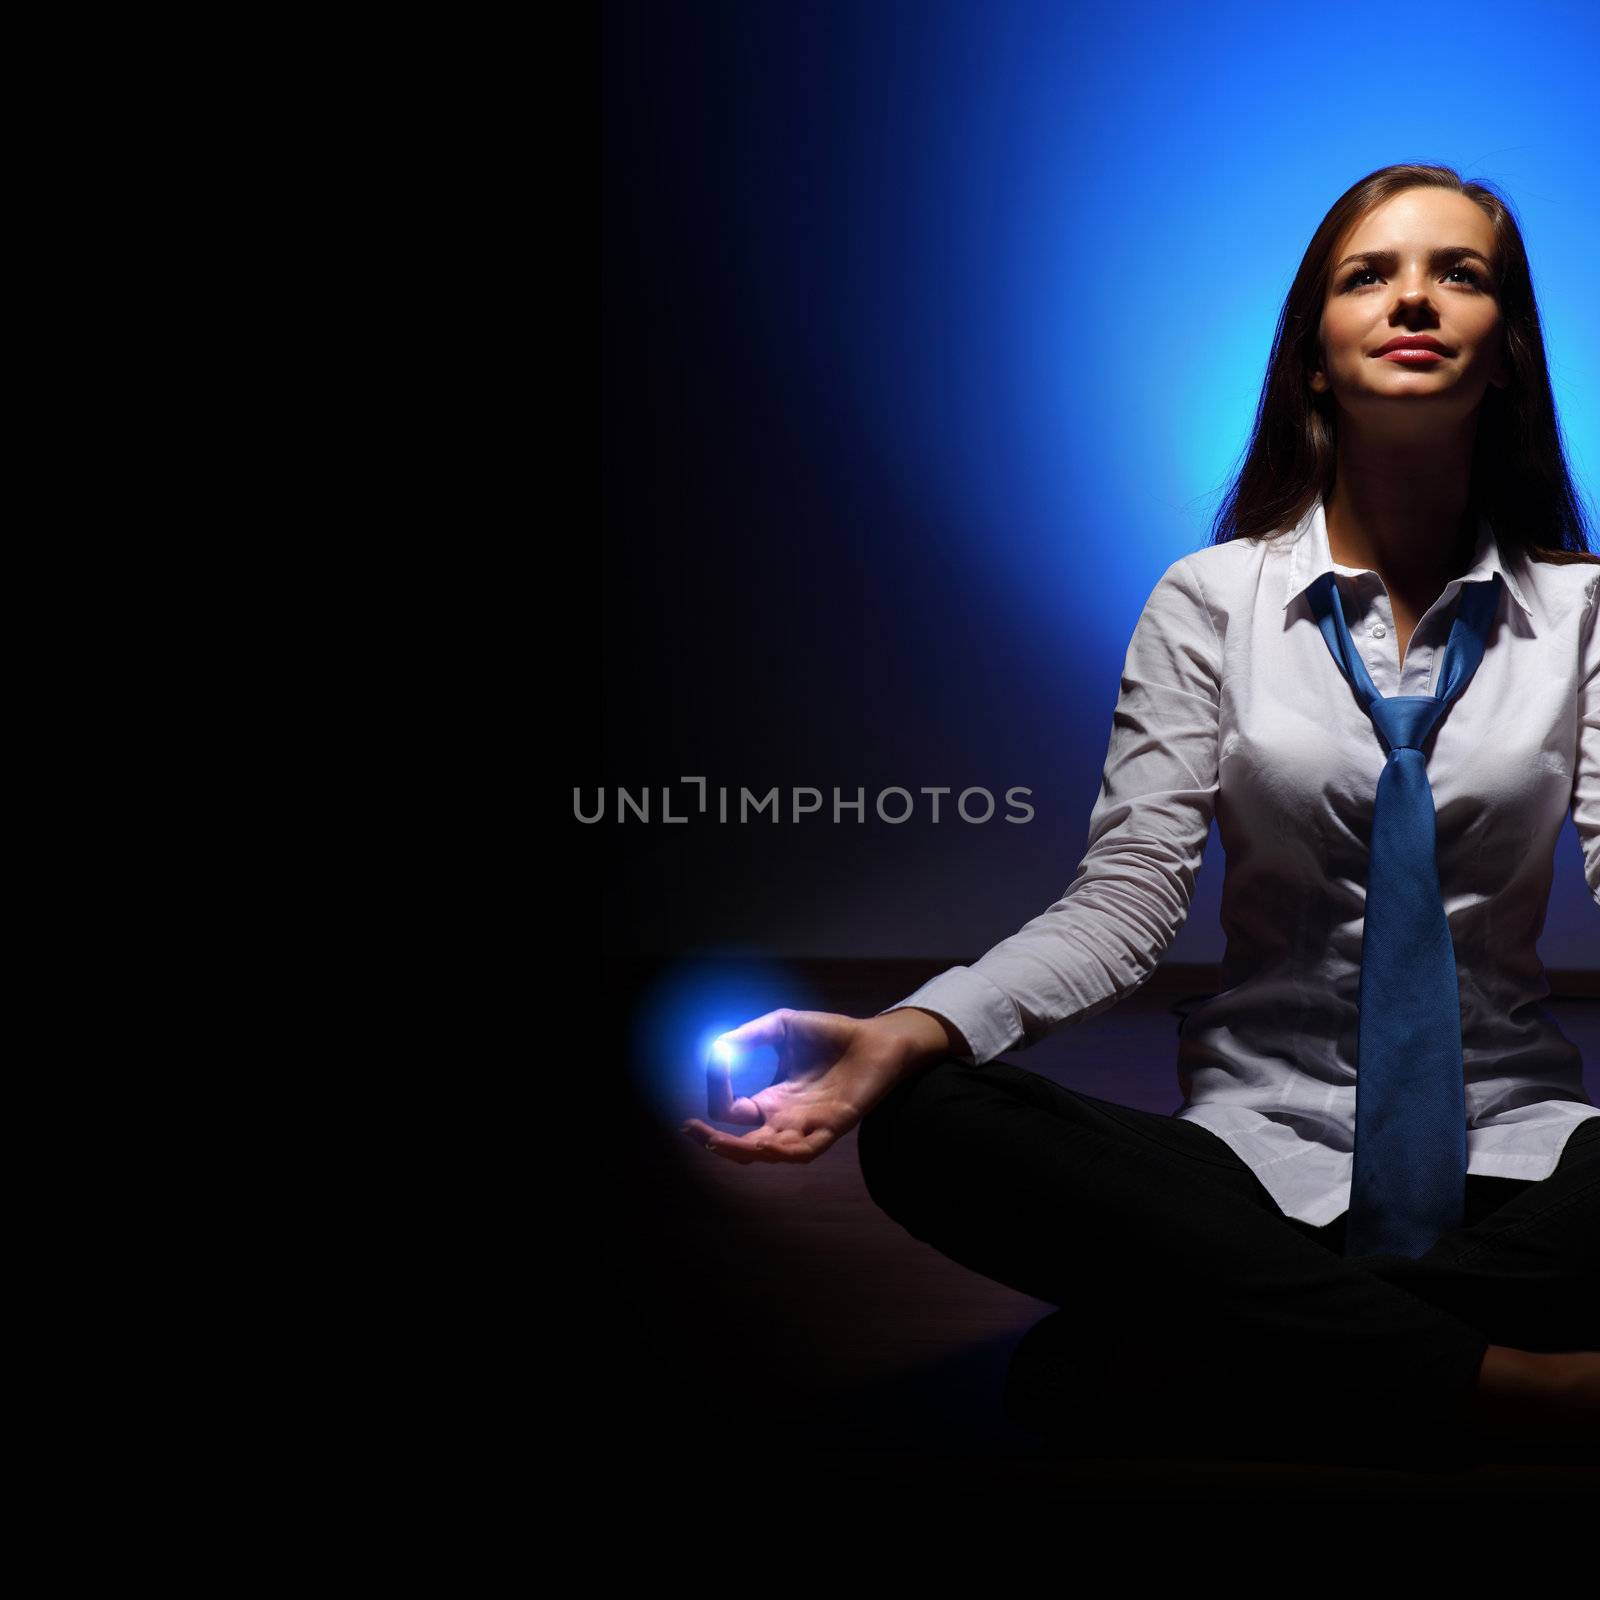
x,y
1415,277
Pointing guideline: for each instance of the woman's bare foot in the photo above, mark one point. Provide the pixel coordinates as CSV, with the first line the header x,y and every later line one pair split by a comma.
x,y
1536,1397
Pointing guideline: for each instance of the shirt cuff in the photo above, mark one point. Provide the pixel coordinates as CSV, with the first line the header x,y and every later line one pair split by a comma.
x,y
985,1016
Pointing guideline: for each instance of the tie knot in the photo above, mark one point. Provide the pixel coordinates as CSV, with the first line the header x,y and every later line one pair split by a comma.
x,y
1406,720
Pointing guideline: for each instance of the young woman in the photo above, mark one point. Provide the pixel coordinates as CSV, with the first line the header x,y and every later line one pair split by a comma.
x,y
1405,477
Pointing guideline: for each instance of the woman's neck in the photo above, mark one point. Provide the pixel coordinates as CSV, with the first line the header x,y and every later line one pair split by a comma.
x,y
1407,518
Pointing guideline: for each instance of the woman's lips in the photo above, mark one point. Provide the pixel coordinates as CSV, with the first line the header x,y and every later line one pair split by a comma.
x,y
1412,356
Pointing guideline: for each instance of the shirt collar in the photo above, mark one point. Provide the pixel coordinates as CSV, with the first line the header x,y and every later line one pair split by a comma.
x,y
1310,558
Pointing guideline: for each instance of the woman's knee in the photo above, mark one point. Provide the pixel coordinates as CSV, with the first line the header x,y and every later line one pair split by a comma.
x,y
892,1131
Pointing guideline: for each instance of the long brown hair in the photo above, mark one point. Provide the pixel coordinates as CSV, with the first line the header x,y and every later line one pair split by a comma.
x,y
1519,468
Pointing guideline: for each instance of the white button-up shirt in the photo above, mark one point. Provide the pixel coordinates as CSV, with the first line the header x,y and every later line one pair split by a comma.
x,y
1231,705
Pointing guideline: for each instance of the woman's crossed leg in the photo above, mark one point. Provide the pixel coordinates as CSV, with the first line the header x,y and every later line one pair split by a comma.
x,y
1177,1276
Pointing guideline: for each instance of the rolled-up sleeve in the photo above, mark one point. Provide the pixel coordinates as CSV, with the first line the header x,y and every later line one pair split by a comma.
x,y
1586,779
1147,834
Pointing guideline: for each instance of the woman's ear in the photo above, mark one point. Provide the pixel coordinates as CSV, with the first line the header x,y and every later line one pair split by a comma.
x,y
1317,377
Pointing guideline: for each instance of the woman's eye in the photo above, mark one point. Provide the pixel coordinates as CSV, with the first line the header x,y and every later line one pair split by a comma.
x,y
1469,273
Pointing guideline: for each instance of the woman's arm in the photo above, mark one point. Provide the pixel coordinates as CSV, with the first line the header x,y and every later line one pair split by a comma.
x,y
1147,833
1586,780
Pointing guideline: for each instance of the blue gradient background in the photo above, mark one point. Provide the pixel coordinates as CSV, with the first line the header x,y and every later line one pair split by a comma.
x,y
931,333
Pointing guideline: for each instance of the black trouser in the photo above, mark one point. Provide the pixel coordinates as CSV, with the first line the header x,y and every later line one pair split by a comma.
x,y
1184,1289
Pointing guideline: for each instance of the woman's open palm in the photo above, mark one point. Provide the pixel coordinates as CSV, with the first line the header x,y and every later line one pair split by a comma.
x,y
832,1070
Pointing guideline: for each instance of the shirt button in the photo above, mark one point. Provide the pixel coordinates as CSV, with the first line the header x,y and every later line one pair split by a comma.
x,y
1378,630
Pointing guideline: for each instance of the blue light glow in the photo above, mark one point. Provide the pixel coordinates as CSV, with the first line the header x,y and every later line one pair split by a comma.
x,y
679,1024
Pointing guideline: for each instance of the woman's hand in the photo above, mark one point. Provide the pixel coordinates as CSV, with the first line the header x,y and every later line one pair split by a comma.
x,y
832,1070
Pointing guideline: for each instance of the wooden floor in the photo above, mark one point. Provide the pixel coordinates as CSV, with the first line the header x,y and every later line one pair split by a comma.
x,y
757,1318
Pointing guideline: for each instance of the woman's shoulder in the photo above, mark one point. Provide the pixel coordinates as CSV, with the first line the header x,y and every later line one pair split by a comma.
x,y
1562,558
1558,583
1229,555
1221,568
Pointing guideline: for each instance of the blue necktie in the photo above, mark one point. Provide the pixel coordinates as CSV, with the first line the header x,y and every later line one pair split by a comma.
x,y
1409,1181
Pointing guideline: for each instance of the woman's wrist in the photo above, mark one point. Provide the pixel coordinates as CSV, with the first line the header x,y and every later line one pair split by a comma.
x,y
923,1036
